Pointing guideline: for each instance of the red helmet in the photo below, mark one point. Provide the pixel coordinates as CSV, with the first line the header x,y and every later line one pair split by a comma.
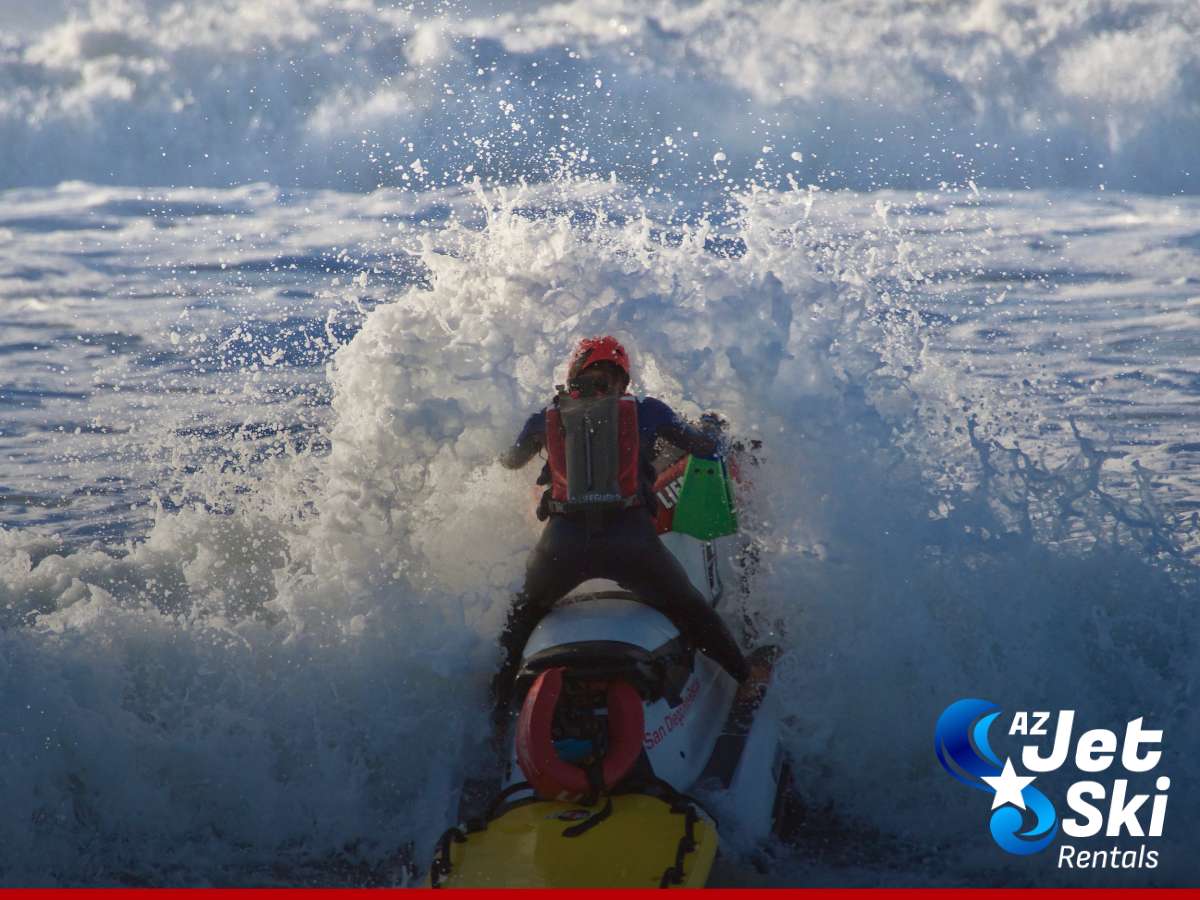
x,y
602,349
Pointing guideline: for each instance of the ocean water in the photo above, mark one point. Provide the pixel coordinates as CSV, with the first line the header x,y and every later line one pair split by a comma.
x,y
278,281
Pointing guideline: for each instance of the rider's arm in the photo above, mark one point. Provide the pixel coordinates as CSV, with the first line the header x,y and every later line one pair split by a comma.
x,y
529,443
673,428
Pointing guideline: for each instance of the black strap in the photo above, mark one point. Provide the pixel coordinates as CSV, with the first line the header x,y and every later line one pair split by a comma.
x,y
687,844
680,804
591,821
440,867
566,508
518,787
655,787
595,777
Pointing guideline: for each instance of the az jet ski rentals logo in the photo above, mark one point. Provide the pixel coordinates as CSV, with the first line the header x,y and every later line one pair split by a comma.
x,y
1023,819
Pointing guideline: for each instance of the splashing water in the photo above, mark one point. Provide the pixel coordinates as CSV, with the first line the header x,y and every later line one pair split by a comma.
x,y
255,546
354,95
290,671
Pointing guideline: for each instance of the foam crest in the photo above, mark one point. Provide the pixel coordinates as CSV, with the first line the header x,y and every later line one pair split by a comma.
x,y
290,678
355,95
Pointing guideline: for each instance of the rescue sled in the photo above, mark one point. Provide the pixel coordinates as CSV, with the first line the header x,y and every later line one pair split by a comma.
x,y
621,726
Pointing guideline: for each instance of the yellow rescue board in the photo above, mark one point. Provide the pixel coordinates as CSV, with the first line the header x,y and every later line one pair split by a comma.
x,y
632,847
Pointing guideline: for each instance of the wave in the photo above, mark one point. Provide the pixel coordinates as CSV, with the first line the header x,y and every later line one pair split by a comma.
x,y
679,97
289,681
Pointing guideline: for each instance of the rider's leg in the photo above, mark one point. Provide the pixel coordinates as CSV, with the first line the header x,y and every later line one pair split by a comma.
x,y
646,567
558,563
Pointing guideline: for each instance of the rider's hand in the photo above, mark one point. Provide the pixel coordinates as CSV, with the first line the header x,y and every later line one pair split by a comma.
x,y
713,423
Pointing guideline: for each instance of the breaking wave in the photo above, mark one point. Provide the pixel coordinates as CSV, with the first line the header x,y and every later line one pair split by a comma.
x,y
285,685
353,95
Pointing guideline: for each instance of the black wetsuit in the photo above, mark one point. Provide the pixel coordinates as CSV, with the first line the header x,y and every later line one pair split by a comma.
x,y
624,548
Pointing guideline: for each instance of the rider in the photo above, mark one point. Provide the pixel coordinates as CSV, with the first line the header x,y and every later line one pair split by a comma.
x,y
607,532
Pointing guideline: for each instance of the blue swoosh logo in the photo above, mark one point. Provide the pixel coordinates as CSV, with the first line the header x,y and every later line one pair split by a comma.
x,y
963,749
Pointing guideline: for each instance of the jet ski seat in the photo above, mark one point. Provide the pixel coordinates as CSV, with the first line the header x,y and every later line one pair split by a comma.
x,y
655,673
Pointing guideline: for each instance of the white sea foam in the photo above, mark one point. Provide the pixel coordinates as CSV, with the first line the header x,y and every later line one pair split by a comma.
x,y
351,94
293,672
277,671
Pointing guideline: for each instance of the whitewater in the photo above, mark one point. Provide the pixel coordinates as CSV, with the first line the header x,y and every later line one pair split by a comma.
x,y
279,281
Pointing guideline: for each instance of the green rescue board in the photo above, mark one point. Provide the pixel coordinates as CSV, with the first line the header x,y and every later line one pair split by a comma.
x,y
705,506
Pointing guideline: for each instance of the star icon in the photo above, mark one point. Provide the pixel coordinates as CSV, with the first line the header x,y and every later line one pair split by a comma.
x,y
1008,786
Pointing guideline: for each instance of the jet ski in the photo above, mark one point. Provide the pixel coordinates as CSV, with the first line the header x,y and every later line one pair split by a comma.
x,y
627,740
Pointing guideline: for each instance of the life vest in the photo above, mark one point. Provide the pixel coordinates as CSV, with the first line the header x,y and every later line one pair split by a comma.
x,y
593,453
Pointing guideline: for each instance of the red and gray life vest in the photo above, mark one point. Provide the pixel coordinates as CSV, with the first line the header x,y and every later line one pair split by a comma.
x,y
593,453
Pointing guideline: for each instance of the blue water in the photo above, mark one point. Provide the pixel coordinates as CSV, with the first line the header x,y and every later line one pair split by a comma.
x,y
254,374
